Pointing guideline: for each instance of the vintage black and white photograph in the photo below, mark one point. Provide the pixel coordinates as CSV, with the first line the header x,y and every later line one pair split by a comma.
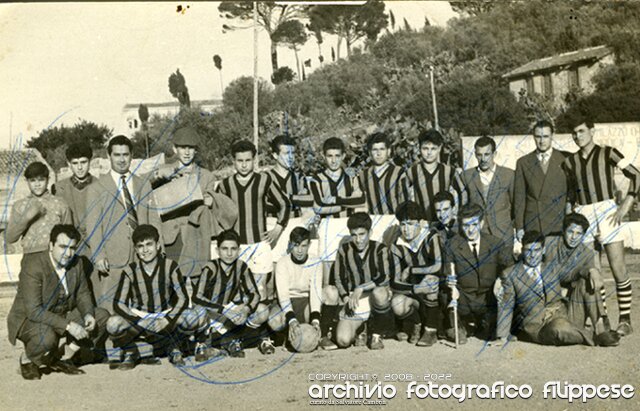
x,y
284,205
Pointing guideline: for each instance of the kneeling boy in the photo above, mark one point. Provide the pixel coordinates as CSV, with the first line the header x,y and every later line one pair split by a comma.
x,y
416,260
229,293
150,303
361,275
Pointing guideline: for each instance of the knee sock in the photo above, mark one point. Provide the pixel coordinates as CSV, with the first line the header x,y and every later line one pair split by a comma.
x,y
623,291
329,319
429,315
410,320
382,321
603,295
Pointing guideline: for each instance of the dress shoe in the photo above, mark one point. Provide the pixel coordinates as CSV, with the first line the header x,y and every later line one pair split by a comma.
x,y
607,339
66,367
30,371
129,361
462,335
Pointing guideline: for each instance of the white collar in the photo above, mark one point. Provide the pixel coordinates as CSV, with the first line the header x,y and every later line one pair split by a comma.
x,y
416,243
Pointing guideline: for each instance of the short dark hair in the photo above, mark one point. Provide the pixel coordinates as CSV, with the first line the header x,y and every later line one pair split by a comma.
x,y
66,229
575,218
471,210
409,210
298,235
444,196
359,220
78,150
582,120
243,146
281,140
485,141
377,138
430,136
36,169
531,237
228,235
119,140
543,124
145,232
333,143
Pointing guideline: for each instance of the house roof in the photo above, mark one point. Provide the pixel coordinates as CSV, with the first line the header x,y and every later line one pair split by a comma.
x,y
591,53
15,161
212,102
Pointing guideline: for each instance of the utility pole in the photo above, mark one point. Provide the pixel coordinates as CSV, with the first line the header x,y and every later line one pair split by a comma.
x,y
433,99
255,78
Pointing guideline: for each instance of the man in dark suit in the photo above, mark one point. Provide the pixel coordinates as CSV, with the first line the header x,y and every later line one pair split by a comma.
x,y
476,258
533,306
117,202
491,186
53,300
540,186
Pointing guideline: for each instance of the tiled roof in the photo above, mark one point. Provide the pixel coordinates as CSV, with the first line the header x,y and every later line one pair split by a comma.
x,y
195,103
592,53
15,161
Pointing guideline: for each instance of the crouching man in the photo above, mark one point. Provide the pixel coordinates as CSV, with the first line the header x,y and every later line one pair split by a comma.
x,y
533,291
299,287
361,276
53,301
228,297
151,304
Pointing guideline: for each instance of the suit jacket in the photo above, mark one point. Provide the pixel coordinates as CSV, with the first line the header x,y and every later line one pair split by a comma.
x,y
109,234
498,203
476,281
41,297
539,198
525,307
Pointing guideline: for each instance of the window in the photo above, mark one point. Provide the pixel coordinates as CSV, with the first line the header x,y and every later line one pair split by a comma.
x,y
547,85
530,89
574,78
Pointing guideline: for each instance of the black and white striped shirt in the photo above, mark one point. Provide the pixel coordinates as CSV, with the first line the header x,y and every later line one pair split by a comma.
x,y
385,192
350,270
221,284
402,257
425,185
163,290
294,184
251,200
323,186
591,179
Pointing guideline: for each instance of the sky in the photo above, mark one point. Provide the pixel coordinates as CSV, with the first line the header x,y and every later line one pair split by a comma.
x,y
61,62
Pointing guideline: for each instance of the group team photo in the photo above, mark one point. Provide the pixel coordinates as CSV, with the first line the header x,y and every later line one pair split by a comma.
x,y
398,186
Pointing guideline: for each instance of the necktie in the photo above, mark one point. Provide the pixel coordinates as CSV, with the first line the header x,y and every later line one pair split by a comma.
x,y
132,216
475,253
544,162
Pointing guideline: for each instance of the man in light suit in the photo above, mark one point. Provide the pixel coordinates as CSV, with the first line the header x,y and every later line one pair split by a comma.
x,y
533,306
478,258
540,186
117,202
53,300
491,186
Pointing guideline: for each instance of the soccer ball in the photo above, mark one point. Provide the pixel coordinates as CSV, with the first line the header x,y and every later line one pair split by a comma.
x,y
308,340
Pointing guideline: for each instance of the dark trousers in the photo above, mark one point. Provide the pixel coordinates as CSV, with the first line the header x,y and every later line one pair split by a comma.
x,y
41,340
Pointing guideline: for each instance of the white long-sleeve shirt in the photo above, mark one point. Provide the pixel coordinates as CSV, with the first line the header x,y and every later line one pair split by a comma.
x,y
299,281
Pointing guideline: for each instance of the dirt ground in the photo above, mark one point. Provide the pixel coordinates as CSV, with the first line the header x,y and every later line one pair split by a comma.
x,y
282,381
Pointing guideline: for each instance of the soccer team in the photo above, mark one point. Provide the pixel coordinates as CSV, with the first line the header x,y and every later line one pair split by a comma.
x,y
420,253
